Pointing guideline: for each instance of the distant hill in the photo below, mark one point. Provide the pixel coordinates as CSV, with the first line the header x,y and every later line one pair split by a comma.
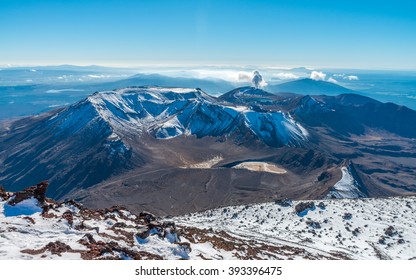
x,y
310,87
214,87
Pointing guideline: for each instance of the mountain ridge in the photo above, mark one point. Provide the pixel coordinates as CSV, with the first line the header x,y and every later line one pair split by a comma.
x,y
113,145
309,86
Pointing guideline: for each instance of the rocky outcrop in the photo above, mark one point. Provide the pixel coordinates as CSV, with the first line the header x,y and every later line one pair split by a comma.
x,y
302,208
111,233
55,248
284,202
347,216
38,192
4,194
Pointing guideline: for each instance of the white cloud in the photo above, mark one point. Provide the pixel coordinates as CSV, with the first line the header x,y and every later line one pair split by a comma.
x,y
63,90
238,75
230,75
345,77
286,76
244,76
332,80
351,78
98,76
317,76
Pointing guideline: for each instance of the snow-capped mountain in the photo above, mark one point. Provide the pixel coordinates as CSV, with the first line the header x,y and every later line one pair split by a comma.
x,y
171,112
196,152
101,132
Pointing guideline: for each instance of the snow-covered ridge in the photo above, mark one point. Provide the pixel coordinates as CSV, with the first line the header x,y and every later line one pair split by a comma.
x,y
53,230
172,112
383,228
309,105
347,187
328,229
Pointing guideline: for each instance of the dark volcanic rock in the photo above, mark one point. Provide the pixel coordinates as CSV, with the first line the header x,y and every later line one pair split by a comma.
x,y
143,232
356,231
314,225
56,248
147,217
382,240
347,216
390,231
69,217
38,192
284,202
3,194
303,207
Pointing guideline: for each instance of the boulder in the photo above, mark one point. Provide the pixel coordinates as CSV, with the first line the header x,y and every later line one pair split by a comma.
x,y
143,232
147,217
302,208
390,231
284,202
347,216
69,217
3,194
314,225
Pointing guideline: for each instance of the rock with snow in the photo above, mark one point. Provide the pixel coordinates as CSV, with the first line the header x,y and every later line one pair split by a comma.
x,y
37,192
347,187
284,202
4,195
327,234
347,216
26,202
302,208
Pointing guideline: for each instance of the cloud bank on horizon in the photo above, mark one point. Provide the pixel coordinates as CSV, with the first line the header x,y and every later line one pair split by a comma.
x,y
259,78
317,76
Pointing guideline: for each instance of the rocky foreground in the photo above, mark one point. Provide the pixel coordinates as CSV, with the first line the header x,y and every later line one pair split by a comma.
x,y
35,227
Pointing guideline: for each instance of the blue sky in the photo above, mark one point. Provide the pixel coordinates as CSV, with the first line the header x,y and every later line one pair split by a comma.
x,y
337,34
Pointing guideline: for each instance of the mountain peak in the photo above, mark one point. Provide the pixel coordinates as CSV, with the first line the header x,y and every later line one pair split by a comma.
x,y
247,94
171,112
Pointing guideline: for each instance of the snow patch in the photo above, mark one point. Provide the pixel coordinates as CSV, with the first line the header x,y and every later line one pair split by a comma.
x,y
26,207
347,187
276,126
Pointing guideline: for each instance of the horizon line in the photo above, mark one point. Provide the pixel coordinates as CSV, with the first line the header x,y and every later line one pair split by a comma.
x,y
199,65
